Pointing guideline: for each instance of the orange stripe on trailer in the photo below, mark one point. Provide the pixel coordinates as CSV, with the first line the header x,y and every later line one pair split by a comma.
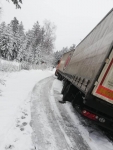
x,y
105,92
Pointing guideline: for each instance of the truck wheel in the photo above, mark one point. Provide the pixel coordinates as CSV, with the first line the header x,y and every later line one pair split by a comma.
x,y
64,87
56,73
77,100
66,93
58,77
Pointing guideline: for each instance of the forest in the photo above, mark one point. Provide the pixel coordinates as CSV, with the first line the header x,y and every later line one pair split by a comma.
x,y
36,46
32,46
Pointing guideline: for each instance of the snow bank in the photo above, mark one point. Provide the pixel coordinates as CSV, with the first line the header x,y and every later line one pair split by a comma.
x,y
9,65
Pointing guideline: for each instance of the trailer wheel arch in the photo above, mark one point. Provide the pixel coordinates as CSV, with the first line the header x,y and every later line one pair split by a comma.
x,y
78,100
69,91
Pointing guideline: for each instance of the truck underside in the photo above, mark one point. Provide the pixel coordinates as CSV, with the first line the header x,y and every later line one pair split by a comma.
x,y
91,107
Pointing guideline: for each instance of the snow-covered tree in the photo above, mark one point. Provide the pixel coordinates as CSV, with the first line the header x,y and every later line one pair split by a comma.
x,y
10,41
21,41
2,28
14,23
18,38
49,37
59,54
72,47
34,46
38,54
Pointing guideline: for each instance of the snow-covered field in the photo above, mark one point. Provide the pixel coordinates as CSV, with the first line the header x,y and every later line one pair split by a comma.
x,y
31,117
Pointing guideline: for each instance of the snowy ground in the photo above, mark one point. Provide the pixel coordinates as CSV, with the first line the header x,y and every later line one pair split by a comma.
x,y
15,129
31,117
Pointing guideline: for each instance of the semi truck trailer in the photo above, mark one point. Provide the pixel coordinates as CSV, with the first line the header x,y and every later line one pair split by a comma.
x,y
87,74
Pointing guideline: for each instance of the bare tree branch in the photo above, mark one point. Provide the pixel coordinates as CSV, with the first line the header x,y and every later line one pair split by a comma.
x,y
17,3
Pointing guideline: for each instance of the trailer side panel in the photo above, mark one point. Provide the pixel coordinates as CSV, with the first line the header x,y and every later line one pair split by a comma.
x,y
90,54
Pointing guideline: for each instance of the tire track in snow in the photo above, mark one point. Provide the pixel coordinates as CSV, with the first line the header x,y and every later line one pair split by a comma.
x,y
70,129
41,108
44,139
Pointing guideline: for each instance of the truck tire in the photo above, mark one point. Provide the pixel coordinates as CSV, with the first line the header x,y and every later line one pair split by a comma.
x,y
56,73
77,100
58,77
64,86
66,92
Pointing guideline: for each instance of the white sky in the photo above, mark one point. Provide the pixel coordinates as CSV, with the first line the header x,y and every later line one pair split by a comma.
x,y
74,19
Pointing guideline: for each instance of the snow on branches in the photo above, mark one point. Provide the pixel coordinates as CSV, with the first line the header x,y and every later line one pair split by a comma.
x,y
34,46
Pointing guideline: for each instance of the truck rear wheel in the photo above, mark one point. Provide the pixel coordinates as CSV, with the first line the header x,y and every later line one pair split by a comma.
x,y
59,77
77,100
69,92
56,73
64,86
66,93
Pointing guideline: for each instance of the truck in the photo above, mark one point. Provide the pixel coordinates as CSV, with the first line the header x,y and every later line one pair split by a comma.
x,y
63,63
87,74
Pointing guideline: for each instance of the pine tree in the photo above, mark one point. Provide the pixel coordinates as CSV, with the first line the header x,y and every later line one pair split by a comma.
x,y
4,40
10,42
18,36
28,49
2,28
21,41
38,54
14,23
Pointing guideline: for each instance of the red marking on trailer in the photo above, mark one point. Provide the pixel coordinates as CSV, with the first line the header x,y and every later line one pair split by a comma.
x,y
67,61
58,65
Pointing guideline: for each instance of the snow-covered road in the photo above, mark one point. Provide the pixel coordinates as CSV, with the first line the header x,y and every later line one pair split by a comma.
x,y
55,126
33,119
